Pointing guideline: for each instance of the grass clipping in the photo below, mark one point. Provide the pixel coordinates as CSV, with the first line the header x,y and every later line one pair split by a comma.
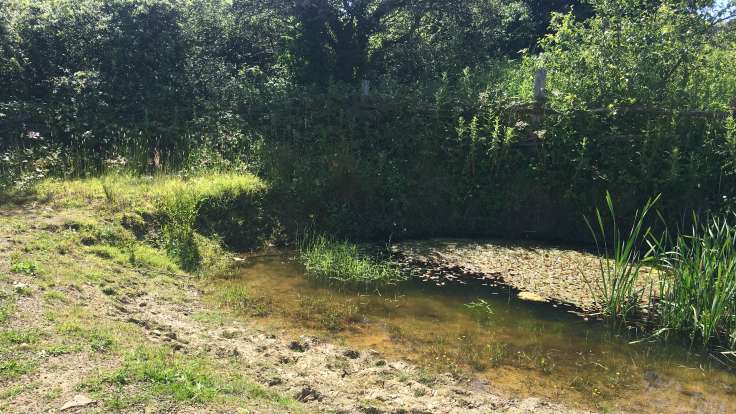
x,y
345,264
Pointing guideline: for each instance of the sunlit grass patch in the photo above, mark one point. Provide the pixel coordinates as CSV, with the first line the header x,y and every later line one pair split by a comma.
x,y
167,207
161,374
235,296
183,378
147,256
53,295
14,347
345,264
14,368
11,337
25,267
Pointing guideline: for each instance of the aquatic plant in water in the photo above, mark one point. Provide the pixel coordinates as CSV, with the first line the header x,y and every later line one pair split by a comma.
x,y
617,291
698,283
344,263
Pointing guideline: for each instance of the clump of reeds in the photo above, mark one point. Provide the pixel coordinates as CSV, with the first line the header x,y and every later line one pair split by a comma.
x,y
622,256
698,283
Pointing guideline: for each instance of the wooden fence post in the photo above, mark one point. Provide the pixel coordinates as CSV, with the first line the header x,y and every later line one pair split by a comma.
x,y
540,81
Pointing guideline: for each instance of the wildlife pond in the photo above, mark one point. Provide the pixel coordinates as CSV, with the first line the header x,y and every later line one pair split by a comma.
x,y
490,337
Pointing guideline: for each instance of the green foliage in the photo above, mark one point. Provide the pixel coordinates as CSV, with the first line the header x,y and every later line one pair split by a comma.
x,y
696,293
180,204
698,283
628,53
182,378
345,264
24,267
617,292
202,86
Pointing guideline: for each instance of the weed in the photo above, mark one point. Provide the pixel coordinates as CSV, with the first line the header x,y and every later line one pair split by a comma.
x,y
100,343
327,313
58,350
14,368
108,290
698,283
183,378
481,309
25,268
6,310
54,296
19,337
110,194
235,296
344,263
617,293
498,353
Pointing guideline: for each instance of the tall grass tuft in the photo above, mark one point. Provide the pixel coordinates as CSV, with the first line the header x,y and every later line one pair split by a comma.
x,y
617,292
345,264
698,284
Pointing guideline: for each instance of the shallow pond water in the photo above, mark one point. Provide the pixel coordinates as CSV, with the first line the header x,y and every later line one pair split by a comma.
x,y
523,348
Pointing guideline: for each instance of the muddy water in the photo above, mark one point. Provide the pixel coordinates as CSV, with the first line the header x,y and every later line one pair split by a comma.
x,y
522,348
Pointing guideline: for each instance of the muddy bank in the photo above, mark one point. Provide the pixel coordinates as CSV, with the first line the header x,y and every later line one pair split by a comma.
x,y
322,375
534,271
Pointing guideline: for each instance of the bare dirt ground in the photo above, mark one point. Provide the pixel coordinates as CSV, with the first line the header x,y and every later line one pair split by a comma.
x,y
86,324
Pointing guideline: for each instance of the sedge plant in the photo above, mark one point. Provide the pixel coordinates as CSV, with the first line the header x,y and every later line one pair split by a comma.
x,y
622,255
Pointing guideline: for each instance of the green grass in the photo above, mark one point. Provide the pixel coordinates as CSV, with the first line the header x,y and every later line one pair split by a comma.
x,y
173,203
7,308
13,342
182,378
696,294
622,257
18,337
345,264
179,202
235,296
698,284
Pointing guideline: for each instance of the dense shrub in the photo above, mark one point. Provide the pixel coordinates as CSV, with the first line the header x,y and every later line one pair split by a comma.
x,y
445,143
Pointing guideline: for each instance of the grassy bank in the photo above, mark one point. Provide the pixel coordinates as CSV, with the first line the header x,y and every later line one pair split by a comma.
x,y
186,218
79,257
